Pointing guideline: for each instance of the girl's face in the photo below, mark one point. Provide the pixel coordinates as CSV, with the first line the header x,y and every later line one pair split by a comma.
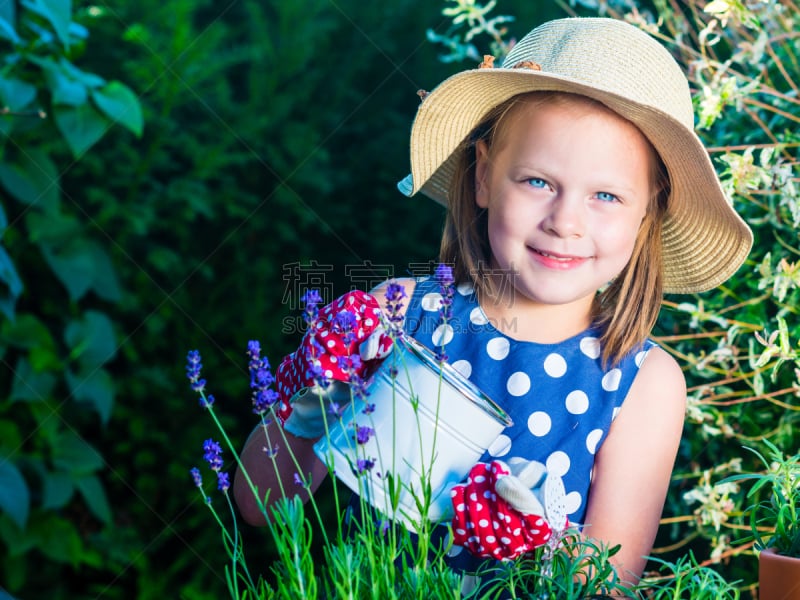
x,y
566,185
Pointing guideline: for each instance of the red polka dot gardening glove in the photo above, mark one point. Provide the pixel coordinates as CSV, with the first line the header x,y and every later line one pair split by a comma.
x,y
502,512
345,341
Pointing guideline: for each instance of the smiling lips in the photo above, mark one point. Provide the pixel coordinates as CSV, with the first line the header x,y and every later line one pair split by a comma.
x,y
557,261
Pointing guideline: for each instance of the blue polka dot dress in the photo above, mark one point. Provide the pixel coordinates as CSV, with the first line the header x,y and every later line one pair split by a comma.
x,y
560,397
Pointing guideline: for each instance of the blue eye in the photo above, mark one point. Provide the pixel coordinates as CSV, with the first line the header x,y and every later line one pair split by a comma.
x,y
537,183
606,197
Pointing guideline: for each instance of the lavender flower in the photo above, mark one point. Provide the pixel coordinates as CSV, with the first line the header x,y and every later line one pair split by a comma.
x,y
212,453
260,379
344,324
395,293
315,370
363,465
223,482
311,299
297,479
363,434
193,368
444,277
196,477
207,401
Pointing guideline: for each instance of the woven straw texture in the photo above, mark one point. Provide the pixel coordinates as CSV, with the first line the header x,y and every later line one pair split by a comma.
x,y
704,239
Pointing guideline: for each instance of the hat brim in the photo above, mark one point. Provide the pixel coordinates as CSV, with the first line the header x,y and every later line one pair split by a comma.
x,y
704,239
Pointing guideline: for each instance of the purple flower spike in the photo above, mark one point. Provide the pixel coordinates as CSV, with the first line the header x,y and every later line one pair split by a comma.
x,y
363,465
207,401
395,293
444,276
193,368
311,299
297,479
223,482
261,379
193,365
212,453
196,477
363,434
344,324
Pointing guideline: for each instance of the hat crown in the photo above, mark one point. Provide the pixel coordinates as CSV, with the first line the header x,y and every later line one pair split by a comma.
x,y
609,55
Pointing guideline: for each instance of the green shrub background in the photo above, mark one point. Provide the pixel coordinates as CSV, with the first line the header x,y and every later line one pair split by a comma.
x,y
255,138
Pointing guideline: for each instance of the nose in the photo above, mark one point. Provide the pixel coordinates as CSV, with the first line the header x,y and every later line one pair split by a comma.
x,y
566,217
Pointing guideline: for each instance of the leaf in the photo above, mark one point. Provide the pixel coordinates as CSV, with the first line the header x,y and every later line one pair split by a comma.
x,y
60,541
8,32
12,288
96,389
72,265
32,178
67,92
81,126
27,332
75,455
16,94
57,12
57,490
91,339
121,105
104,282
92,491
29,385
14,494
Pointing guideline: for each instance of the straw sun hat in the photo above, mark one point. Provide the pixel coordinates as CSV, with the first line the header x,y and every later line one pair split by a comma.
x,y
704,240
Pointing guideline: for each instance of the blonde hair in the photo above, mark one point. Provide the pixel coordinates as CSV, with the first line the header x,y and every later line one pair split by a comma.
x,y
627,309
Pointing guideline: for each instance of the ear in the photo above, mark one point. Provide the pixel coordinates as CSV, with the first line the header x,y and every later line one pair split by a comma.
x,y
481,174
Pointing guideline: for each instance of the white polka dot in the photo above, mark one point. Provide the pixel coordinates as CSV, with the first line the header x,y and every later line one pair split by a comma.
x,y
323,334
611,380
330,343
577,402
498,348
558,463
465,289
483,523
555,365
572,502
368,322
464,367
431,301
328,373
539,423
590,346
518,384
500,446
477,316
593,439
615,412
442,334
639,358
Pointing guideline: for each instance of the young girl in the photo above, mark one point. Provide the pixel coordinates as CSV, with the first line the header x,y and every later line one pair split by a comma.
x,y
577,194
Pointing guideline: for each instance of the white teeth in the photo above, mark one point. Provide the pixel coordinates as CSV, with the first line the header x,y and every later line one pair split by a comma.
x,y
553,257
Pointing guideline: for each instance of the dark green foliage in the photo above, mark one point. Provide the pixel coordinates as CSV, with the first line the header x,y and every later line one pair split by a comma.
x,y
273,134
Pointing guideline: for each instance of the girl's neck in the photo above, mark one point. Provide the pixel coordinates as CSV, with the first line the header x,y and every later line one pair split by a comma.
x,y
525,320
